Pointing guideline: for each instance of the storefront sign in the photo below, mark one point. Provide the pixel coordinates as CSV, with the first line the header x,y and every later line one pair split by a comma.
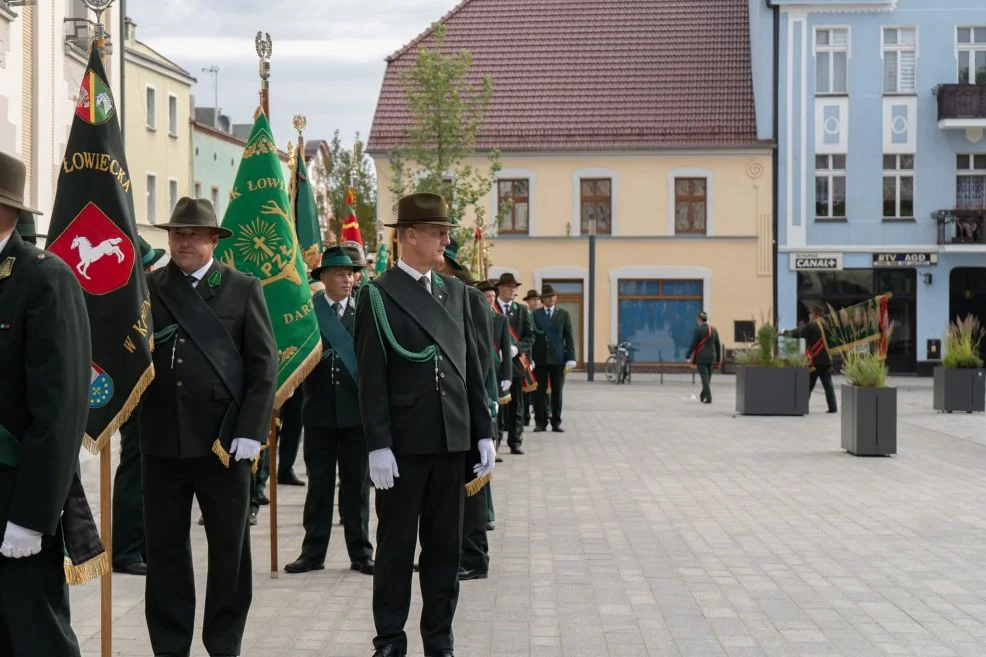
x,y
905,259
816,261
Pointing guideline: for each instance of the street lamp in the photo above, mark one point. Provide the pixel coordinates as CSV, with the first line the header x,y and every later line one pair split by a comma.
x,y
214,71
590,365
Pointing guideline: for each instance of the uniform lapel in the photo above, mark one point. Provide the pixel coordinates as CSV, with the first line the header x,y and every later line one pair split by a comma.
x,y
210,282
349,316
438,288
11,254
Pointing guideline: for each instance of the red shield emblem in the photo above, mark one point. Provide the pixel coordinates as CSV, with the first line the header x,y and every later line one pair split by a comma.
x,y
99,253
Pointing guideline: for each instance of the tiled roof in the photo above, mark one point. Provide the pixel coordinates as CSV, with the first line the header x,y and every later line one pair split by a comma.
x,y
595,74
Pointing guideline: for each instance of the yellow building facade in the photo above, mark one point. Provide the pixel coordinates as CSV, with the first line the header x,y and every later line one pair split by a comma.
x,y
158,134
685,232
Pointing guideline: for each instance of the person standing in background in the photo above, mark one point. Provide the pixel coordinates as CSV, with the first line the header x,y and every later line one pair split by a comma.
x,y
554,354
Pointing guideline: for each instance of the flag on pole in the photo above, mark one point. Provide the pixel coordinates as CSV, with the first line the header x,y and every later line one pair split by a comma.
x,y
306,213
264,244
350,225
93,230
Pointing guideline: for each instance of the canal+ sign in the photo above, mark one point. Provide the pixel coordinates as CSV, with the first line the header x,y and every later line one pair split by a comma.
x,y
816,261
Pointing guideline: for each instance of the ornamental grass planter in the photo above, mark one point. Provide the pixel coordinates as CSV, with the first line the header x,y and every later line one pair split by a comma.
x,y
960,389
772,390
869,420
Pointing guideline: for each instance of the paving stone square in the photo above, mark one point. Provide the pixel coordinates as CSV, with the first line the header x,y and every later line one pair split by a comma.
x,y
658,526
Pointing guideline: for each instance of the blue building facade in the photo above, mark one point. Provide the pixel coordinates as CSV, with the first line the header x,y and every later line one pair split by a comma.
x,y
880,113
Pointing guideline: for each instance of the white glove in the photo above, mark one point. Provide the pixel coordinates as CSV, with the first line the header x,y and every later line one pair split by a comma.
x,y
20,542
487,458
533,365
514,351
504,386
244,449
383,468
570,365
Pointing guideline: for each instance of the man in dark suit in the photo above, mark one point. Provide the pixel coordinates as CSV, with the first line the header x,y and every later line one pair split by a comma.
x,y
554,354
821,360
128,500
333,429
204,420
705,353
533,301
424,406
501,352
523,327
45,357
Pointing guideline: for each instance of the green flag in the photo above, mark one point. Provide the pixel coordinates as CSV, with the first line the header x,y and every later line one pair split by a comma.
x,y
264,244
306,213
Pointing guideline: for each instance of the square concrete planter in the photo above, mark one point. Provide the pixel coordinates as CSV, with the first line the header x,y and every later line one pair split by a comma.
x,y
869,421
960,389
772,390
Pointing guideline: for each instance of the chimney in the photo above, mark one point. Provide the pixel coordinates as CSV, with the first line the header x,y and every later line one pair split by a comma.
x,y
130,28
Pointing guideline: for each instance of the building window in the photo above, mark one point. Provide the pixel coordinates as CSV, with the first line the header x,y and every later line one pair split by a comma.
x,y
972,55
830,186
513,206
597,204
215,201
658,317
899,52
832,61
151,101
173,116
970,182
151,198
172,194
198,189
898,186
690,195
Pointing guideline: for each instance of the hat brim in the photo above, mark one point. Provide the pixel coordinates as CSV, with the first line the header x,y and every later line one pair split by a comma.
x,y
512,284
152,257
172,225
421,221
11,203
531,296
317,272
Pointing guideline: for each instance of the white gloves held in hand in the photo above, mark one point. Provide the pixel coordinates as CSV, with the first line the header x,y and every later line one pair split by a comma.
x,y
570,365
244,449
514,351
19,542
383,468
504,386
487,458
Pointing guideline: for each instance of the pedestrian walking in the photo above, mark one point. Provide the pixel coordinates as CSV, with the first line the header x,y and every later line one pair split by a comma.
x,y
705,353
818,354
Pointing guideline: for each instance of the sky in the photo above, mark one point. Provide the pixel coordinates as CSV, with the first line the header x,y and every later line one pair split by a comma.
x,y
327,62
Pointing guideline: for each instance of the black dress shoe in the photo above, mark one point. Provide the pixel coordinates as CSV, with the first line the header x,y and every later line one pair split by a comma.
x,y
134,568
261,499
253,518
499,459
289,479
540,429
364,565
389,651
490,526
304,564
516,450
558,429
465,575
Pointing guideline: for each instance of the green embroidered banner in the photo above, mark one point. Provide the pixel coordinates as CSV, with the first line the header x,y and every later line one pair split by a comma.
x,y
858,325
306,213
264,244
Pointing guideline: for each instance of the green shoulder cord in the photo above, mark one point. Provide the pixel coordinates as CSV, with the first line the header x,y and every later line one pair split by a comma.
x,y
384,331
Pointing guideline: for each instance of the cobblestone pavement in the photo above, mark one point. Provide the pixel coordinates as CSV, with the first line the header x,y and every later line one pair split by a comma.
x,y
657,526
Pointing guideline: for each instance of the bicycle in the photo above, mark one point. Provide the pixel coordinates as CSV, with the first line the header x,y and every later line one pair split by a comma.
x,y
618,365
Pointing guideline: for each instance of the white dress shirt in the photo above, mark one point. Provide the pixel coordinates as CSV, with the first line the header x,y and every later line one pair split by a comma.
x,y
342,304
3,242
415,274
504,305
198,274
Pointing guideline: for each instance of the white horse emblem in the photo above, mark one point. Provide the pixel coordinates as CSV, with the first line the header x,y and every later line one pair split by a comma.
x,y
89,254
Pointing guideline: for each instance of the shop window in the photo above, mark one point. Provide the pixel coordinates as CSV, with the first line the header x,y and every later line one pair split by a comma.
x,y
658,317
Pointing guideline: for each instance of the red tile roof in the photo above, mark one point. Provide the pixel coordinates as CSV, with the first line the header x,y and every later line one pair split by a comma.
x,y
596,74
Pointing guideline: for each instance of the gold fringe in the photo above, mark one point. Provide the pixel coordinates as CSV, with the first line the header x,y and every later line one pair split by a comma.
x,y
503,401
300,374
95,445
86,571
476,485
856,343
217,449
531,388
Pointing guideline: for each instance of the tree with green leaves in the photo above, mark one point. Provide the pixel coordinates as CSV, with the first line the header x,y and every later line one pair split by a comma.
x,y
342,175
448,110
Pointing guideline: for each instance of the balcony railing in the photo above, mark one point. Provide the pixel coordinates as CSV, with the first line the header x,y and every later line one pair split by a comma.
x,y
961,226
961,101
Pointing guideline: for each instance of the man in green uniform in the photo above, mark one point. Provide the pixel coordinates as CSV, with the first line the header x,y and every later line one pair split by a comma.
x,y
554,354
333,429
522,326
205,418
821,360
45,357
706,353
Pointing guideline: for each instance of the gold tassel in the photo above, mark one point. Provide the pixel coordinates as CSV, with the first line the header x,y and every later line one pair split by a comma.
x,y
95,445
288,387
476,485
217,449
76,575
503,401
530,388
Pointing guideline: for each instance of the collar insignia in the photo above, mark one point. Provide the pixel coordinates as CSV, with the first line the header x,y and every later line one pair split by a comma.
x,y
215,278
7,267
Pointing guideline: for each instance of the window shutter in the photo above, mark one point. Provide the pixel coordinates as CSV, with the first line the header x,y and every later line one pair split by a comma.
x,y
907,68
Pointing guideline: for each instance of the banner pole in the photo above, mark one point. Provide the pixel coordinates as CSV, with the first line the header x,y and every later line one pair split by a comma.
x,y
272,459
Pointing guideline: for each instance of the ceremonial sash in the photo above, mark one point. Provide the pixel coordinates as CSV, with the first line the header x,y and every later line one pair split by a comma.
x,y
701,345
530,381
554,338
205,329
336,334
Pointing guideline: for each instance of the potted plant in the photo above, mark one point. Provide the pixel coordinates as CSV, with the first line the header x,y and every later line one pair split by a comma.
x,y
869,407
960,382
771,379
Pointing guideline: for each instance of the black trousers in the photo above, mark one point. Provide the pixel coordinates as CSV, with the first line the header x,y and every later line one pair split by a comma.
x,y
224,497
35,617
528,403
555,374
475,545
425,503
825,374
705,374
289,436
511,416
128,502
323,450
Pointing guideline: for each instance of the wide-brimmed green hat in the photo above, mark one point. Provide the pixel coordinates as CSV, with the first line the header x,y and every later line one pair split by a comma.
x,y
334,256
422,208
355,251
148,254
195,213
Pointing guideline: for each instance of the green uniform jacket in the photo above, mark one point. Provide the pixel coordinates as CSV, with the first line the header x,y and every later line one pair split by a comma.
x,y
331,393
711,352
45,361
545,351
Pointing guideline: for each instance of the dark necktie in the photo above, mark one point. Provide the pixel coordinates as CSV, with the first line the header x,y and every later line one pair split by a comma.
x,y
192,280
336,306
424,282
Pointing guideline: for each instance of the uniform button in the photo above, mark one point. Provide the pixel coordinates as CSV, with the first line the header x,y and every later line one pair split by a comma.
x,y
178,383
181,340
179,360
442,375
444,394
441,358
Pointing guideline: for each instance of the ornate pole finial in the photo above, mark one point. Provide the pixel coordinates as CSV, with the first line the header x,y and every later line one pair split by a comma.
x,y
265,48
98,7
299,122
